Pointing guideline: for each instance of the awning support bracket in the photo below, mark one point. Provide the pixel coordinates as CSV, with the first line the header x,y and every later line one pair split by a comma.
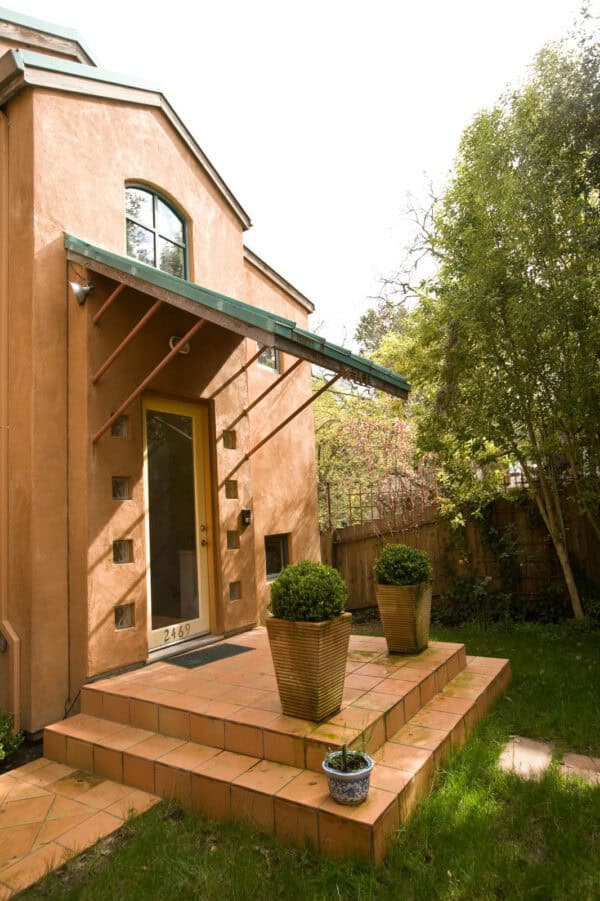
x,y
128,337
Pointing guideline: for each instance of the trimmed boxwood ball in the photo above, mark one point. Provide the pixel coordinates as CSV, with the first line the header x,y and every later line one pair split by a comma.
x,y
401,565
309,592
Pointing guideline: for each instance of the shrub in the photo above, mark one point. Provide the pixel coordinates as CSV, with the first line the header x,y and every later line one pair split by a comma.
x,y
308,591
9,741
401,565
469,600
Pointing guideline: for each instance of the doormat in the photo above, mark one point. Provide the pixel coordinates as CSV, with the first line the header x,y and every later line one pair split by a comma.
x,y
208,655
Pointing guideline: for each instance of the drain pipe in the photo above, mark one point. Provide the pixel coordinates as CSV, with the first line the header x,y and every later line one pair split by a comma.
x,y
10,643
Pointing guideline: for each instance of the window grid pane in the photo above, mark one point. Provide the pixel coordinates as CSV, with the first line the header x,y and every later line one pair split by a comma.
x,y
156,234
276,554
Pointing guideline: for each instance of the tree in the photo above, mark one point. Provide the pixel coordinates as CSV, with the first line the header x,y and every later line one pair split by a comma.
x,y
503,350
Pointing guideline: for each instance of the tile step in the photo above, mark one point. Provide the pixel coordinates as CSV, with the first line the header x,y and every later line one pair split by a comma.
x,y
235,705
292,801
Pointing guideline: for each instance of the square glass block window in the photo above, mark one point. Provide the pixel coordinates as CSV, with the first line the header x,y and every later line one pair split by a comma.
x,y
233,539
120,427
277,554
235,591
124,616
123,551
120,488
270,358
229,439
231,489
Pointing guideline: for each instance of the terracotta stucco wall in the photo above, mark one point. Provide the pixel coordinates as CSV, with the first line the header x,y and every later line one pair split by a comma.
x,y
71,178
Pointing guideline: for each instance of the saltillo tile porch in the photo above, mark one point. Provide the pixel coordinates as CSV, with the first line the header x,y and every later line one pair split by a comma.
x,y
215,738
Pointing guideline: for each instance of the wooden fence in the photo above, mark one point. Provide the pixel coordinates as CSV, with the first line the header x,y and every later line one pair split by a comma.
x,y
353,549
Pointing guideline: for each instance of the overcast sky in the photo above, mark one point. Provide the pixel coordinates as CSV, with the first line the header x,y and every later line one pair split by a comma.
x,y
322,116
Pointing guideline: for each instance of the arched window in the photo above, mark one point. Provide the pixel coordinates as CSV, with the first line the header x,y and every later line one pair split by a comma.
x,y
156,233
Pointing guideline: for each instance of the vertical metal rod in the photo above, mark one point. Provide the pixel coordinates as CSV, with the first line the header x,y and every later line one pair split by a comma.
x,y
98,316
129,337
195,328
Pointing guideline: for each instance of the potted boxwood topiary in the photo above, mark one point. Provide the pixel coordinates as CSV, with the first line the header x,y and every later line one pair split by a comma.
x,y
403,592
348,774
309,633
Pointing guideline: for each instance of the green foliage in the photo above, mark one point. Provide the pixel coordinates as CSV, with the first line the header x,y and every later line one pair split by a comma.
x,y
399,564
9,741
469,600
309,592
376,323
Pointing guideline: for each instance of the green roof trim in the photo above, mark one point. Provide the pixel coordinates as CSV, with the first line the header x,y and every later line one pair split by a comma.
x,y
280,328
59,31
80,70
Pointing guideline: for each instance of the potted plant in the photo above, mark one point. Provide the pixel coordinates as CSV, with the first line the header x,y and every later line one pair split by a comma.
x,y
309,634
403,592
348,774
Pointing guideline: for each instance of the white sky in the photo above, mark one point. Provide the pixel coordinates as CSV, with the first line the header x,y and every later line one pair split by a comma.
x,y
322,116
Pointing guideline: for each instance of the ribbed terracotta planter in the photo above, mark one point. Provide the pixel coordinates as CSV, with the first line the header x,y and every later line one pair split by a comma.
x,y
310,664
405,614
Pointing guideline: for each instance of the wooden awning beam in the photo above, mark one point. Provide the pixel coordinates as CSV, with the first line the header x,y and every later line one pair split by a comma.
x,y
126,340
143,385
257,400
281,426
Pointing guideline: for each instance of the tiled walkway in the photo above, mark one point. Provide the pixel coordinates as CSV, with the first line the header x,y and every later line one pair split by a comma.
x,y
50,812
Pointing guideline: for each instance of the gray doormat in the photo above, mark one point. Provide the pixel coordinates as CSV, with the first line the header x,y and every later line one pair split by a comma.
x,y
208,655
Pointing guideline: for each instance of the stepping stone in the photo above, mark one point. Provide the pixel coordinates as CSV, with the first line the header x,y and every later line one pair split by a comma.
x,y
526,757
580,765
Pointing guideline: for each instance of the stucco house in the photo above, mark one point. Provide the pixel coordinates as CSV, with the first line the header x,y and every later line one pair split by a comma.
x,y
156,434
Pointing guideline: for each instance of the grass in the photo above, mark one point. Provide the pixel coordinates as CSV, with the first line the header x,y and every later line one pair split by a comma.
x,y
480,834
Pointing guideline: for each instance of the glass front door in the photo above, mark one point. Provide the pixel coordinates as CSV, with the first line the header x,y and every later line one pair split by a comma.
x,y
177,526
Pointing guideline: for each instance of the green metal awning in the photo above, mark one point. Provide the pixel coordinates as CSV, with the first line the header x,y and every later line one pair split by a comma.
x,y
244,319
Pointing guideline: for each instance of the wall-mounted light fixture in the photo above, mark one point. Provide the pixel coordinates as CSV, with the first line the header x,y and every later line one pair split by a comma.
x,y
81,291
246,517
174,340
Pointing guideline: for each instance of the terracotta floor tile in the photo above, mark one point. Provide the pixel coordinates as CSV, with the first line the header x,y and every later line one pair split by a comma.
x,y
80,754
418,736
52,829
31,767
331,734
173,722
220,709
143,715
16,841
243,739
394,718
207,730
210,797
28,810
244,696
226,766
106,793
33,867
55,746
407,673
67,807
188,702
343,838
296,824
89,832
252,807
127,737
154,747
108,763
209,690
270,702
189,756
372,669
403,757
267,776
306,788
171,783
48,774
355,718
254,717
436,719
375,700
22,790
116,708
138,772
290,725
287,749
134,803
76,784
92,702
356,680
450,705
396,687
389,778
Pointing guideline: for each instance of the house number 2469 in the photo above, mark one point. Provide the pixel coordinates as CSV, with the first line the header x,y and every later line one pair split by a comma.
x,y
177,632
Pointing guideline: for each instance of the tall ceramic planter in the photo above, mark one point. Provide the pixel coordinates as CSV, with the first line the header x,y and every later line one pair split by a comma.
x,y
405,612
310,664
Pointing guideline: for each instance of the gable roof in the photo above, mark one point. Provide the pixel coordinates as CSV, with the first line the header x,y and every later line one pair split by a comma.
x,y
236,316
44,35
20,69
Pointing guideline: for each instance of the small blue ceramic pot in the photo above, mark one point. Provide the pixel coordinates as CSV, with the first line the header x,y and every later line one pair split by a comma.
x,y
348,788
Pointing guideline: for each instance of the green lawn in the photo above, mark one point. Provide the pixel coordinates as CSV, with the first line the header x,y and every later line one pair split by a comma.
x,y
480,834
